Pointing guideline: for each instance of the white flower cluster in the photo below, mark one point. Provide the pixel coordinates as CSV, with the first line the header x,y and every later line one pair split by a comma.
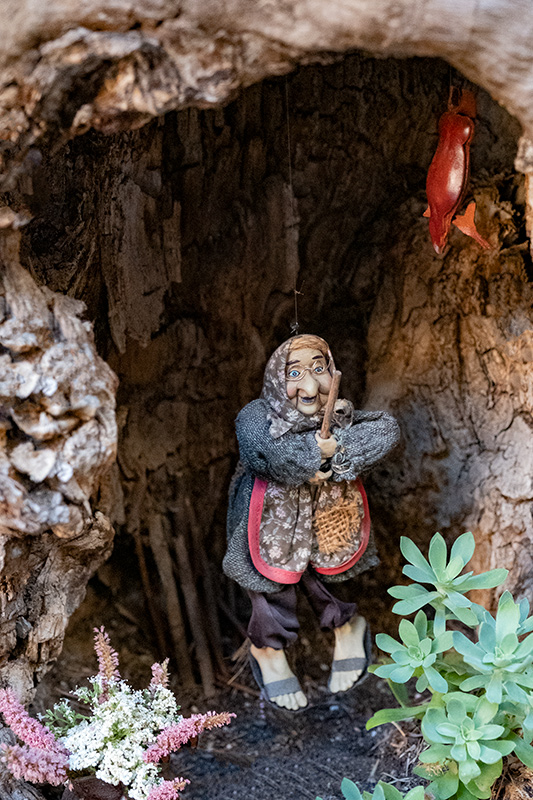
x,y
112,741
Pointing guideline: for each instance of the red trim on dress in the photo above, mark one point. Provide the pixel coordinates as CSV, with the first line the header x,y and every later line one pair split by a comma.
x,y
278,574
254,525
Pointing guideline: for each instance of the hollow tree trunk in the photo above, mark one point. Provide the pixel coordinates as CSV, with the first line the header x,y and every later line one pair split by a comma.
x,y
186,242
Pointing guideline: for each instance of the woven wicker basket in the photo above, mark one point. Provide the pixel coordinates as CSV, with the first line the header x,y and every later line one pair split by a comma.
x,y
339,525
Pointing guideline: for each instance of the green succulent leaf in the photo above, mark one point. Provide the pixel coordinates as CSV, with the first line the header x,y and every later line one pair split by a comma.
x,y
463,547
419,575
523,751
527,725
459,754
387,643
350,790
400,674
417,793
456,710
502,748
408,633
468,769
485,580
465,615
430,726
412,553
412,604
445,786
453,569
471,793
484,781
389,792
439,623
525,648
472,653
400,693
435,680
385,715
485,711
495,688
507,616
443,642
491,731
421,624
437,555
402,592
435,754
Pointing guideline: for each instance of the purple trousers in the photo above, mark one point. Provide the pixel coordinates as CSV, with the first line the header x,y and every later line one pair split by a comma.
x,y
274,622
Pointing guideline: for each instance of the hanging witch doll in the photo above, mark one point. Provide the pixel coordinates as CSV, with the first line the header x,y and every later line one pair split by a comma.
x,y
298,514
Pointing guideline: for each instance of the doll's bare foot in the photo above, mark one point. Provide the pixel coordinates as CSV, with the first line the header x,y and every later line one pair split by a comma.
x,y
349,657
274,667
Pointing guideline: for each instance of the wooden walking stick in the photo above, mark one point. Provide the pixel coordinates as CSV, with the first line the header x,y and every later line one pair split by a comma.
x,y
325,431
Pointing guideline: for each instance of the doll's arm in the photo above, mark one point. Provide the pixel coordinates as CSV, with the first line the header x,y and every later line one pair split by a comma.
x,y
371,436
291,459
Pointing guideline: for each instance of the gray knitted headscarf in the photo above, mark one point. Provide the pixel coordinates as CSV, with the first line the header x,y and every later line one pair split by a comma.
x,y
283,415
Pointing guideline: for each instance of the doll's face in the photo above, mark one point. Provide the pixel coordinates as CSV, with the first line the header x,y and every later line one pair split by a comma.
x,y
308,380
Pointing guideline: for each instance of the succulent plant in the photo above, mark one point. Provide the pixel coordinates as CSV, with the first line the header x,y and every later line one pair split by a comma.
x,y
480,705
502,663
416,655
382,791
449,585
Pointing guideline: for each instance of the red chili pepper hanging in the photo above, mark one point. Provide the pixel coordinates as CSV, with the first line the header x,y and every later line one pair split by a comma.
x,y
448,173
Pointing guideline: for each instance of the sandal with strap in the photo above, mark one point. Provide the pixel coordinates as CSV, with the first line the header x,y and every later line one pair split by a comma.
x,y
356,663
275,688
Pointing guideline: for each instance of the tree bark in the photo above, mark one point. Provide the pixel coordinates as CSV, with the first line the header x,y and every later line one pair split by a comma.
x,y
66,68
58,437
450,352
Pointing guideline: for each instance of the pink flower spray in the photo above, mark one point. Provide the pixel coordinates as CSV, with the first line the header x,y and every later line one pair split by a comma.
x,y
35,766
160,675
43,759
107,661
168,790
172,738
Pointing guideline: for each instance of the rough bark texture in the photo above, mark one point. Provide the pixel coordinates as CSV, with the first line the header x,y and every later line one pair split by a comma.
x,y
193,232
450,351
58,437
65,68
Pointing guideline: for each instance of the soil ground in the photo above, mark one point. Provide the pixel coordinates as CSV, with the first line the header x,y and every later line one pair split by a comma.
x,y
264,753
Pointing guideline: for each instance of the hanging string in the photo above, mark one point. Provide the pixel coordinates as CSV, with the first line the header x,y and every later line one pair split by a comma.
x,y
289,148
295,325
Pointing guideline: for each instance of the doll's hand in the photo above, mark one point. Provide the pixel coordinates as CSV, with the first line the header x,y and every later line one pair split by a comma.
x,y
320,477
327,446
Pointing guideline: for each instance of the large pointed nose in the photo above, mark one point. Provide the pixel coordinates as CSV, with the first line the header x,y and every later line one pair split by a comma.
x,y
309,385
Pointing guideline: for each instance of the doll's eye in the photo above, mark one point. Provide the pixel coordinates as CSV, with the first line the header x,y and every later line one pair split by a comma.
x,y
293,373
319,369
